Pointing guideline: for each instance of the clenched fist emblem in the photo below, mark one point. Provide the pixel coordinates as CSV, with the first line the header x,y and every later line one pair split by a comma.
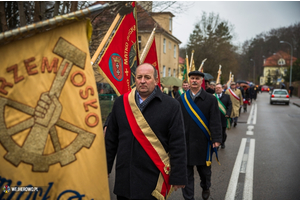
x,y
45,117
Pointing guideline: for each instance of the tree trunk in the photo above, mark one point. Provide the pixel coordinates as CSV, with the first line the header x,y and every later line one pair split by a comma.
x,y
56,6
3,17
14,16
64,7
74,5
68,6
21,13
37,11
43,8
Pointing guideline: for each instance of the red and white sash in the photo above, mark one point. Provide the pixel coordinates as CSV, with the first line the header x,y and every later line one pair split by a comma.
x,y
234,95
150,143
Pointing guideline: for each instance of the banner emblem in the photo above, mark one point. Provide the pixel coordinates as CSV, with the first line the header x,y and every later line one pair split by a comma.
x,y
33,147
132,64
116,66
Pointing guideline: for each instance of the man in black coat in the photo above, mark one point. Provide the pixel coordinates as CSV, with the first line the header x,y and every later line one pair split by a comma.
x,y
225,99
243,94
196,140
136,173
174,93
208,88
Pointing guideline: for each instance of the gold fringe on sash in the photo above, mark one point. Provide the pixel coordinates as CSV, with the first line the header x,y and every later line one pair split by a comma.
x,y
156,193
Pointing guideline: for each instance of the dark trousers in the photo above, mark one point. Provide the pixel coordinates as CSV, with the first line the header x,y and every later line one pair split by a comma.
x,y
205,177
235,119
224,135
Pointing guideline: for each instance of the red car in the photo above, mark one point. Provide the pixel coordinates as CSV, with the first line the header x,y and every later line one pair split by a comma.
x,y
265,88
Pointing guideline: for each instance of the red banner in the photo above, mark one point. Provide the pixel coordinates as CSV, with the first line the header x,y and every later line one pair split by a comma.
x,y
120,58
151,58
203,82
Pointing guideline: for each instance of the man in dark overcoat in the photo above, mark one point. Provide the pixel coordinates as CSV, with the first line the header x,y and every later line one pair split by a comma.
x,y
208,89
225,99
174,93
196,140
243,94
136,173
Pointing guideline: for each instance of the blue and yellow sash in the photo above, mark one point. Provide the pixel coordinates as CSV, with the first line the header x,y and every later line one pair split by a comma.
x,y
202,122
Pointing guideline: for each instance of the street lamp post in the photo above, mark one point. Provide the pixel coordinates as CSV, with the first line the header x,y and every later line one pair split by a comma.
x,y
253,70
291,68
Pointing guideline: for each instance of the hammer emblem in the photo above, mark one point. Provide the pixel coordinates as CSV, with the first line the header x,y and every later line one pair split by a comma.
x,y
48,109
44,116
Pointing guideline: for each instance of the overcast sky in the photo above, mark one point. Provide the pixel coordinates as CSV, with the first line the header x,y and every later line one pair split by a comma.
x,y
248,17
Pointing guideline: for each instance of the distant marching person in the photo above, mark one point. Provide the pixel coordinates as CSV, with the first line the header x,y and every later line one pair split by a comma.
x,y
237,101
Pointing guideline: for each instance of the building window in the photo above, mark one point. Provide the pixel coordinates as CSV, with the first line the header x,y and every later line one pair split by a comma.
x,y
140,42
170,45
169,72
174,51
170,24
164,71
281,61
164,45
174,72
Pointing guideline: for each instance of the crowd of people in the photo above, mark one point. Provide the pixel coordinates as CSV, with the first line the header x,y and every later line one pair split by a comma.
x,y
158,137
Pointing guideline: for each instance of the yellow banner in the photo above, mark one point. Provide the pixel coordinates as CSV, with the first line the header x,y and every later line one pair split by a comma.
x,y
51,138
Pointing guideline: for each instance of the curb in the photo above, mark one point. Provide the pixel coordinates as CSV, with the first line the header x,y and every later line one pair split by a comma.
x,y
296,104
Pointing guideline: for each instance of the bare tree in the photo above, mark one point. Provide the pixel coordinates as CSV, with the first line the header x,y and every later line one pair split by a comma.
x,y
64,7
37,11
3,17
43,8
74,5
56,7
22,13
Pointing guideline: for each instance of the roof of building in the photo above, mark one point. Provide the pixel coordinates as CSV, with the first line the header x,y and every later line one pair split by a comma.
x,y
272,61
146,23
158,13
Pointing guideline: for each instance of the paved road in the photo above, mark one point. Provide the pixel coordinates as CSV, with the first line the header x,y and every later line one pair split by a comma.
x,y
261,158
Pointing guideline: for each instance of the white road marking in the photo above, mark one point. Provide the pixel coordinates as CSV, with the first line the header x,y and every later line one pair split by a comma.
x,y
231,190
255,114
250,132
250,115
248,187
244,164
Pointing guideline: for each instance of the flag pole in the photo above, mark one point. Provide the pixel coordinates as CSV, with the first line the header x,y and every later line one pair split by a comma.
x,y
53,21
105,41
192,57
219,74
187,67
201,66
229,81
148,45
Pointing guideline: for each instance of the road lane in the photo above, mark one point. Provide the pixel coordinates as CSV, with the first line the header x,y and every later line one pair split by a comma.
x,y
273,137
277,134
